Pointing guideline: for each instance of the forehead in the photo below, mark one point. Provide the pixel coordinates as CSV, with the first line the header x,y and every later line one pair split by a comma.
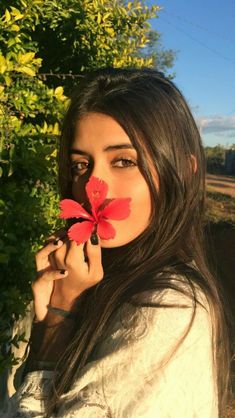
x,y
99,128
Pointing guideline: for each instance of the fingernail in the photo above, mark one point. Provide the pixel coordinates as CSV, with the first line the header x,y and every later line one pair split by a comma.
x,y
56,241
62,271
94,239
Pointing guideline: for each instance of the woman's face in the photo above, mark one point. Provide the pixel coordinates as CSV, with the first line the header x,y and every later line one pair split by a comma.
x,y
102,148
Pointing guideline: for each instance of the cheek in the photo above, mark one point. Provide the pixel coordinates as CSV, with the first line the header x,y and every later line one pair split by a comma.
x,y
139,219
140,206
134,187
78,191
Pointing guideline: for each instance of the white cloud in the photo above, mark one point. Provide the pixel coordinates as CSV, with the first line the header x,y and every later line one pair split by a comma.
x,y
217,125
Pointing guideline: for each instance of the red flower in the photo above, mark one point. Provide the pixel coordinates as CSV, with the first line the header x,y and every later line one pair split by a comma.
x,y
101,209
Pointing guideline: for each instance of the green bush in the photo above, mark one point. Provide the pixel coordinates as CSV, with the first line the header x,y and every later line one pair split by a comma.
x,y
29,115
37,37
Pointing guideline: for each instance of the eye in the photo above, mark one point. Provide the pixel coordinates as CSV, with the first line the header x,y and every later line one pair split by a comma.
x,y
78,166
124,163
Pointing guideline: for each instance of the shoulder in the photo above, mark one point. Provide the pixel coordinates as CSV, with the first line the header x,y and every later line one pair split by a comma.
x,y
179,291
181,297
181,302
164,317
167,342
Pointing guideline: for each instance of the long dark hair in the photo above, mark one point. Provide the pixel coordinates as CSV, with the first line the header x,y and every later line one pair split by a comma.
x,y
157,119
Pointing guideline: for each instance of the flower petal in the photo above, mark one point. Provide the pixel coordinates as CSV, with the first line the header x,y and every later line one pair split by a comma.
x,y
96,190
105,230
72,209
80,232
117,209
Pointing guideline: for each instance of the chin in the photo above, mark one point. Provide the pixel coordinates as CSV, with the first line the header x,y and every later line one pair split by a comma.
x,y
112,243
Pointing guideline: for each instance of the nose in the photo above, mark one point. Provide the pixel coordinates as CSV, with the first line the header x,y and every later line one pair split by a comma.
x,y
101,172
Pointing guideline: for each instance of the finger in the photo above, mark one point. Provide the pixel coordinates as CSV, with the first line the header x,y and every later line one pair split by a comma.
x,y
61,233
94,256
48,249
50,276
74,252
52,261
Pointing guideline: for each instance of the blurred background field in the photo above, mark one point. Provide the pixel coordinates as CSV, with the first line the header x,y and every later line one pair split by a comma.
x,y
220,232
220,201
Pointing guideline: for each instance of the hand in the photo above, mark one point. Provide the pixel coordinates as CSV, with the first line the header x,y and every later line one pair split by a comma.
x,y
84,266
47,273
61,290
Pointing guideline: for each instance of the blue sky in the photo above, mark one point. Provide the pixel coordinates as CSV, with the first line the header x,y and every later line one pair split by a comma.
x,y
202,33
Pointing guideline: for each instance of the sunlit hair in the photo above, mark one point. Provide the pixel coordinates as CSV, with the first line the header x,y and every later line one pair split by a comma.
x,y
157,119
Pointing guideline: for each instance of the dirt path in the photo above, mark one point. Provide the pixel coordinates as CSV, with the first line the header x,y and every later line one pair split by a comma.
x,y
221,184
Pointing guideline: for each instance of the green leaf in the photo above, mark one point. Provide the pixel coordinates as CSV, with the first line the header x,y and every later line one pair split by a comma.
x,y
99,18
7,16
12,150
26,58
59,91
110,31
10,171
16,13
56,130
4,258
106,16
15,28
26,70
8,80
59,94
3,64
23,3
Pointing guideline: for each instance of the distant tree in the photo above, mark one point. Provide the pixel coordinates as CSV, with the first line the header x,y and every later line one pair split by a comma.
x,y
163,59
215,159
77,35
73,36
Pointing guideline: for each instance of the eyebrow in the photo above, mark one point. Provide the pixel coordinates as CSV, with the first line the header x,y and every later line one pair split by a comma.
x,y
109,148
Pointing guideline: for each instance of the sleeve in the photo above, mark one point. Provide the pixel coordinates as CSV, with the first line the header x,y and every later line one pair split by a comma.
x,y
28,400
136,374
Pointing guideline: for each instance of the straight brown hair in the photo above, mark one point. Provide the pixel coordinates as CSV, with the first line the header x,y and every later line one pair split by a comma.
x,y
159,123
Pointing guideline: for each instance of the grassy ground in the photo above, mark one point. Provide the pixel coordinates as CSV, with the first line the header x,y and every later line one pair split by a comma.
x,y
220,218
220,207
221,183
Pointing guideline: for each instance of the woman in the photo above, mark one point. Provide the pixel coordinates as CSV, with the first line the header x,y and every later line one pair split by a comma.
x,y
131,326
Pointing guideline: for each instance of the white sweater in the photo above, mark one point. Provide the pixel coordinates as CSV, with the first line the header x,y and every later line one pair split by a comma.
x,y
133,372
